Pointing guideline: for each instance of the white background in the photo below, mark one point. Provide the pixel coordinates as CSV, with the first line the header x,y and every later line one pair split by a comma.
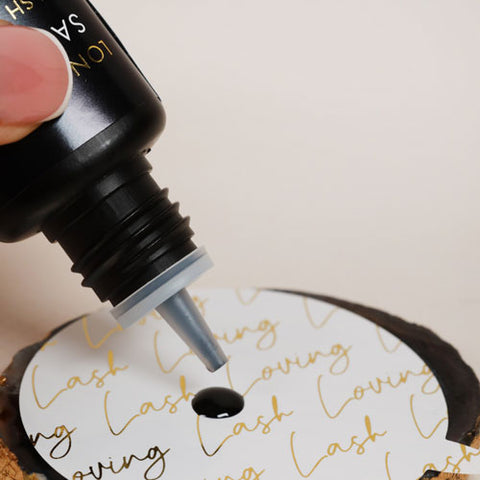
x,y
324,145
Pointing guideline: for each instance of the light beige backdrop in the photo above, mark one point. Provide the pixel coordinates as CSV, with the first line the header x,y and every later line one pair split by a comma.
x,y
325,145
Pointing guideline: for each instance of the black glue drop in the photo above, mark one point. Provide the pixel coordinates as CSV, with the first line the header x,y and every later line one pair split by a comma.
x,y
217,402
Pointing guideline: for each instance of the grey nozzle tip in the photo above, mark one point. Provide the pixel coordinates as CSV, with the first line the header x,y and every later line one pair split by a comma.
x,y
215,361
181,313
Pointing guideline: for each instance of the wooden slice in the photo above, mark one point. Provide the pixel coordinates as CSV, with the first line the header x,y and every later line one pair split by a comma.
x,y
457,380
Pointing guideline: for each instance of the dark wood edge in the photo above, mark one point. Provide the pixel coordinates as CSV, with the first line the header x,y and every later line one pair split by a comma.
x,y
459,383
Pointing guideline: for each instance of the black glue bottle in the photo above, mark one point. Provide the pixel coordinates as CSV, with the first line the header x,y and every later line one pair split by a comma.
x,y
83,180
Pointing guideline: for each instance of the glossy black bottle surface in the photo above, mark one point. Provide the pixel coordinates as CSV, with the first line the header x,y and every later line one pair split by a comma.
x,y
82,179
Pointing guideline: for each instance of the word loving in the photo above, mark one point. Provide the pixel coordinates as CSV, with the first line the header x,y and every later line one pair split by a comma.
x,y
154,471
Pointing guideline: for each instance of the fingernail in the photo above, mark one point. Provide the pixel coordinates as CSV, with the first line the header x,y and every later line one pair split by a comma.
x,y
35,76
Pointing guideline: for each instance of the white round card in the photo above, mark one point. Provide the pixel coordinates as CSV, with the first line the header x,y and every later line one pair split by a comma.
x,y
327,393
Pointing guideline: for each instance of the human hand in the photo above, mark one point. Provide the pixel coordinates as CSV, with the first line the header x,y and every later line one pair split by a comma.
x,y
35,80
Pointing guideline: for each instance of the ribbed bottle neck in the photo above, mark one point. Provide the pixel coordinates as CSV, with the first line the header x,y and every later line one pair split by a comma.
x,y
121,232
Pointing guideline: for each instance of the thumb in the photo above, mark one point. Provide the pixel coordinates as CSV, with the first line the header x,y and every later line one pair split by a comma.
x,y
35,80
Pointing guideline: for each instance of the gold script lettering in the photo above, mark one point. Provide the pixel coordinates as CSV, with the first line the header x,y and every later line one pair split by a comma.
x,y
375,386
449,462
94,378
311,321
149,406
62,434
266,340
417,426
248,474
88,338
357,445
261,424
154,453
284,366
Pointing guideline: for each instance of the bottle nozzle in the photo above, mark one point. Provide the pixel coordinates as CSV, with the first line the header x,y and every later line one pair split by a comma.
x,y
134,248
181,313
168,295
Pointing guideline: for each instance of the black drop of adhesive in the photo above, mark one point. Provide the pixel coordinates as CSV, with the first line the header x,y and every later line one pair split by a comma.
x,y
218,402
